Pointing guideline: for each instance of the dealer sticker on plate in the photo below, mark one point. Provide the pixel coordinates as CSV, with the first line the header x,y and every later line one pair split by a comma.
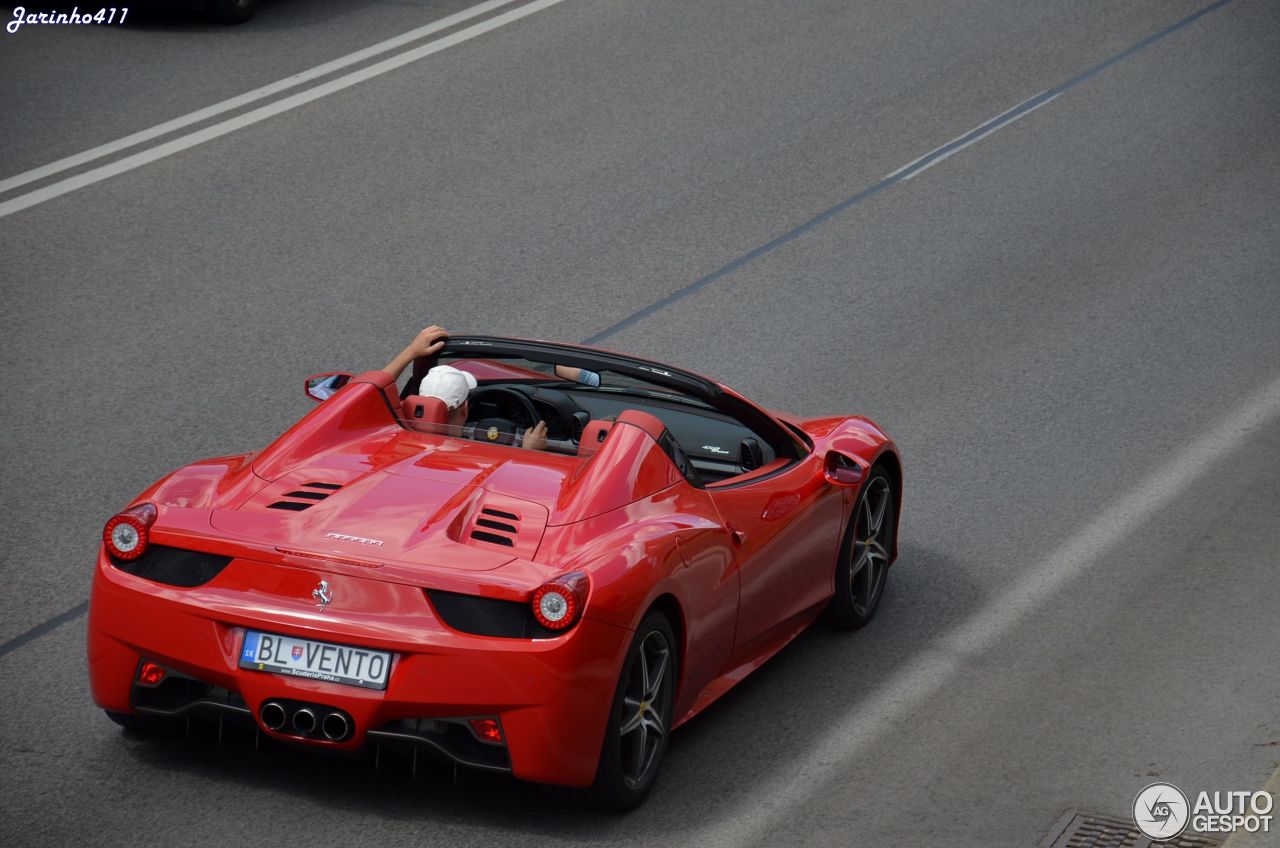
x,y
315,660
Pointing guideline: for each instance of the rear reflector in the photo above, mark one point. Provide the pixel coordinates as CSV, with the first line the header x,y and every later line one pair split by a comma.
x,y
487,730
150,674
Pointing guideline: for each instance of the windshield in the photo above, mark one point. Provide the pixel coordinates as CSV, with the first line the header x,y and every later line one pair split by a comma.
x,y
502,433
510,369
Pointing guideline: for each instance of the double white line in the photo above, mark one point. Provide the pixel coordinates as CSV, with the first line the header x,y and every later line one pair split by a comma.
x,y
168,148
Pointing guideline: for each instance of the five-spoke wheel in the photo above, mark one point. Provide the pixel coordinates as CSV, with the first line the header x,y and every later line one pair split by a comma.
x,y
863,566
640,721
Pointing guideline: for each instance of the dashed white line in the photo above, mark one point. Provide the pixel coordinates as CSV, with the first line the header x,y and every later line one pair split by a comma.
x,y
128,163
973,136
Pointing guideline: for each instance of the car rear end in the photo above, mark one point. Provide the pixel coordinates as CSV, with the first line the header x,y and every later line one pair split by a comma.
x,y
338,657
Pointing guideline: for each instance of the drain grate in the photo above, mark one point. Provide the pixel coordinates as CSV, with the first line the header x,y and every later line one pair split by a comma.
x,y
1086,830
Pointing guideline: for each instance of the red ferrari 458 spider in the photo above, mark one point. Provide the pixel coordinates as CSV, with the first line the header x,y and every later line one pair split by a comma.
x,y
383,578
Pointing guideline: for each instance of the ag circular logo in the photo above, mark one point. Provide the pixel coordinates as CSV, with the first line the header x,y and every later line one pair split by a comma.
x,y
1160,811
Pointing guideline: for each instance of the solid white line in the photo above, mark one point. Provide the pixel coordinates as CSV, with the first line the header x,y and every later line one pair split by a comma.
x,y
248,97
994,123
938,668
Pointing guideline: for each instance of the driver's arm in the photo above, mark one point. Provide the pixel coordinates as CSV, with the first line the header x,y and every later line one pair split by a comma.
x,y
535,438
425,343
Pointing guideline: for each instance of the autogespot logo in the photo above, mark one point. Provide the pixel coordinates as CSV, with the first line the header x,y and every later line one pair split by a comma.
x,y
1160,811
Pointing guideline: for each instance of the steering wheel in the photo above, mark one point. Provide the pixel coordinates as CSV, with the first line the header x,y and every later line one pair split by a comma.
x,y
501,430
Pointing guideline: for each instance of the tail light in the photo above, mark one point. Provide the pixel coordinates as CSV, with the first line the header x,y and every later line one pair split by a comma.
x,y
558,604
126,534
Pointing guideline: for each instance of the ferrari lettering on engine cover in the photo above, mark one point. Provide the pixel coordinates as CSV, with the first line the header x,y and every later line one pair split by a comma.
x,y
359,540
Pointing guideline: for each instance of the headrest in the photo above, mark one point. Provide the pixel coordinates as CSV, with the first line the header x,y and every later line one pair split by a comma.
x,y
424,413
592,436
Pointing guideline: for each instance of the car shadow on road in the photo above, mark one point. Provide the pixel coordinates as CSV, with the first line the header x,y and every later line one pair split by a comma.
x,y
716,764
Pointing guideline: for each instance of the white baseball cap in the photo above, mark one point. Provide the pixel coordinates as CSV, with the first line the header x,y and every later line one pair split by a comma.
x,y
447,383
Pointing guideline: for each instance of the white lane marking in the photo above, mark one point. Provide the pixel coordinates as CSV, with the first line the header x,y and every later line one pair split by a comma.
x,y
168,148
998,122
938,667
248,97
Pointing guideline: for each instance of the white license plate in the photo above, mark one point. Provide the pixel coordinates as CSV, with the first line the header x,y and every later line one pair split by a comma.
x,y
313,660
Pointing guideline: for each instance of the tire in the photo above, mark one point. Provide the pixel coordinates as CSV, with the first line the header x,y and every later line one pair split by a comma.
x,y
863,565
231,11
642,706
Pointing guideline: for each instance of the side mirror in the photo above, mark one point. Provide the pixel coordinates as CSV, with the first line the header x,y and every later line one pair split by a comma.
x,y
842,469
323,386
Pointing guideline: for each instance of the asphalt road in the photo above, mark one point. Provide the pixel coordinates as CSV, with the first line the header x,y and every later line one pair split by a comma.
x,y
1071,326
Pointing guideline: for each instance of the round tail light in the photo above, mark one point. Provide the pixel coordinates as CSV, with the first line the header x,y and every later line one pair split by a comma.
x,y
557,605
126,534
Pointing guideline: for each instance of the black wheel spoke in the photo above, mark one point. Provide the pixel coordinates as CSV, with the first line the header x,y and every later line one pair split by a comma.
x,y
869,551
642,727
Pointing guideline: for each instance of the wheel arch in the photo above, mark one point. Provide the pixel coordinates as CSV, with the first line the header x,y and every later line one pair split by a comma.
x,y
669,605
892,465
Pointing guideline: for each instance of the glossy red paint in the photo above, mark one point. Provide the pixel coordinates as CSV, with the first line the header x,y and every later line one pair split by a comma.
x,y
743,565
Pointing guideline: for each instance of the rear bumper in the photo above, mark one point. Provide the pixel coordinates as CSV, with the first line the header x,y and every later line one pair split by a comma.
x,y
551,696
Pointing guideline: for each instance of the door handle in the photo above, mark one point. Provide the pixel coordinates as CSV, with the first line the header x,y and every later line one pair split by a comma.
x,y
739,537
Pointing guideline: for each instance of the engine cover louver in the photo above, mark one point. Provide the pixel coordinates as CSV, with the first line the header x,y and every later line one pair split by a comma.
x,y
309,495
497,527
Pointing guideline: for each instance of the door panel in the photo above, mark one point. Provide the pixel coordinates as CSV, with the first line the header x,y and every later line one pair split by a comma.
x,y
785,530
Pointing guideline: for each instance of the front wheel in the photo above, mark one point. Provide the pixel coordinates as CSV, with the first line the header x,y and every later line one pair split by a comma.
x,y
639,722
863,567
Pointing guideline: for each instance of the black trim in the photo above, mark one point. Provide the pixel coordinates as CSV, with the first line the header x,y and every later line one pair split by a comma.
x,y
679,459
295,506
331,486
311,496
488,510
493,538
482,616
174,566
451,738
496,525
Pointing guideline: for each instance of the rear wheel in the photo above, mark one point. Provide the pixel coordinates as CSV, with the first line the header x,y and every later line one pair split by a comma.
x,y
639,722
863,567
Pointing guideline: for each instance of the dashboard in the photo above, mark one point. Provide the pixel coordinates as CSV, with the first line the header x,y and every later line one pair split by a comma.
x,y
717,446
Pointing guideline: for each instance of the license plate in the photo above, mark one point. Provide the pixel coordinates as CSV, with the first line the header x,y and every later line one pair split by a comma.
x,y
313,660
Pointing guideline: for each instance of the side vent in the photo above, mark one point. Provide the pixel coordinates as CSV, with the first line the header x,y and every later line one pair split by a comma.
x,y
501,527
307,496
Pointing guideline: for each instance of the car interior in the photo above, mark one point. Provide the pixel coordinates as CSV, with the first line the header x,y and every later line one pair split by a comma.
x,y
711,446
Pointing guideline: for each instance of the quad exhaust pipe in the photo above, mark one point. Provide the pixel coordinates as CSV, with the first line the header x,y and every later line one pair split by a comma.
x,y
306,720
273,715
335,727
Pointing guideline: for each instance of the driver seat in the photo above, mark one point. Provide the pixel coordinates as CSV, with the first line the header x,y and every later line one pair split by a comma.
x,y
427,414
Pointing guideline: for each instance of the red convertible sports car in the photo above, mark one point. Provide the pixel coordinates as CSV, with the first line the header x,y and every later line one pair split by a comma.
x,y
381,578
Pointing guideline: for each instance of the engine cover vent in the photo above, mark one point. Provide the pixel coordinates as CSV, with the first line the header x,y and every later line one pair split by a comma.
x,y
304,498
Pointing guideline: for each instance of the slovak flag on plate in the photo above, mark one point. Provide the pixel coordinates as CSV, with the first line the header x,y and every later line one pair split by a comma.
x,y
297,652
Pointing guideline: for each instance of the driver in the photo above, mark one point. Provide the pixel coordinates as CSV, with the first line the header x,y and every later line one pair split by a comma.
x,y
451,385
